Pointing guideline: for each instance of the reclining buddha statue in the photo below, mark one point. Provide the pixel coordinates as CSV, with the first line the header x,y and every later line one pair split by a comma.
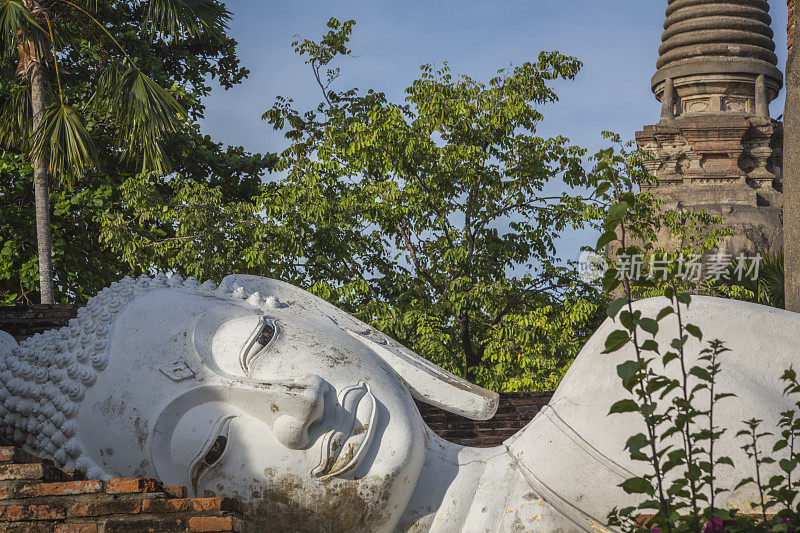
x,y
258,390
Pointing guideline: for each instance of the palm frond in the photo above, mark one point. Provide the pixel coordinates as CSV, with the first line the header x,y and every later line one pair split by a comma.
x,y
105,87
771,280
64,33
62,140
91,5
16,118
187,17
16,25
148,113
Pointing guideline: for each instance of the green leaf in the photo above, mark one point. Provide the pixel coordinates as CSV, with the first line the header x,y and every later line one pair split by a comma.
x,y
602,189
605,239
649,325
627,371
610,281
788,465
613,310
695,331
678,344
669,357
665,313
626,319
16,118
635,443
617,212
701,373
611,224
624,406
637,485
650,346
616,341
725,461
669,292
781,444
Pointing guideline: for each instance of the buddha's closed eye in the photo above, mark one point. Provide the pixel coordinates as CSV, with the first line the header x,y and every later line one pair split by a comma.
x,y
233,340
216,451
263,336
212,452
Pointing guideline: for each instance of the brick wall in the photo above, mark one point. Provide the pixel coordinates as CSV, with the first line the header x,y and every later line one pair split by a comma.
x,y
36,497
515,411
25,321
790,24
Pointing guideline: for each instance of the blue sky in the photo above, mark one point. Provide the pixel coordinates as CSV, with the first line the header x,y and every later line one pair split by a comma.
x,y
617,40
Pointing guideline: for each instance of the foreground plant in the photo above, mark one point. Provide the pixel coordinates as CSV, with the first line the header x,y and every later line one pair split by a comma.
x,y
676,401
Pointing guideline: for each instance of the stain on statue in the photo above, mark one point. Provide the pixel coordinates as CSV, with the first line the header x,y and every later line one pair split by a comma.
x,y
258,390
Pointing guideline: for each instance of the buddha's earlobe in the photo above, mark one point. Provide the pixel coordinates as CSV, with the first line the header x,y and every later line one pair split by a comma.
x,y
429,383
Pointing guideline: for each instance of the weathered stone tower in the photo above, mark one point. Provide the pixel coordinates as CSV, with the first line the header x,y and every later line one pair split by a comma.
x,y
716,147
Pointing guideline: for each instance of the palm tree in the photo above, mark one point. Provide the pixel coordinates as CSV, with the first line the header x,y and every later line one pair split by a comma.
x,y
772,281
38,36
768,287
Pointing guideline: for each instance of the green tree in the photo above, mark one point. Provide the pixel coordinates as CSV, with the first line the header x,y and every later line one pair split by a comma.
x,y
184,62
435,219
54,129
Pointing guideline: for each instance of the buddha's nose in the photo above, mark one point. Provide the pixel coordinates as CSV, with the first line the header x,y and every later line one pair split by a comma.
x,y
301,409
289,407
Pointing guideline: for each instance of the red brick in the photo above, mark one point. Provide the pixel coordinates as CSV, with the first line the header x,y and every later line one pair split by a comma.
x,y
132,485
76,528
145,525
17,513
40,471
67,488
106,508
176,491
12,454
25,527
209,524
193,505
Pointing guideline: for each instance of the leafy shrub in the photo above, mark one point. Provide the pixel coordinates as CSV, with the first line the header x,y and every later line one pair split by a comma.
x,y
680,492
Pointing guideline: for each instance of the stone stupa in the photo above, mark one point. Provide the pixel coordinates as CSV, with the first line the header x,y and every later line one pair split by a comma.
x,y
716,148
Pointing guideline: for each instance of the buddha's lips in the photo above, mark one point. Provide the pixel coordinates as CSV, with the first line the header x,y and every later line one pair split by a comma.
x,y
344,447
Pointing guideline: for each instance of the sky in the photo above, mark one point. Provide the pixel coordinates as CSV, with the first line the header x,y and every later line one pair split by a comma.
x,y
617,40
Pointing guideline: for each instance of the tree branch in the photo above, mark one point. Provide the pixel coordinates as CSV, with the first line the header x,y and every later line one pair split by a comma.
x,y
412,250
173,239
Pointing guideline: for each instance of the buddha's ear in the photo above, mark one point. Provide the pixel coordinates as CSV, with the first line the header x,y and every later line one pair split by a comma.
x,y
427,382
7,342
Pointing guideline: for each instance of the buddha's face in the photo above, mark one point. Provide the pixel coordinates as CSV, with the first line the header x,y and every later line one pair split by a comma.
x,y
295,408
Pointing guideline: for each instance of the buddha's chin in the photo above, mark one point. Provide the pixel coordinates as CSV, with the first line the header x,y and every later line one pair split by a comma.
x,y
280,501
